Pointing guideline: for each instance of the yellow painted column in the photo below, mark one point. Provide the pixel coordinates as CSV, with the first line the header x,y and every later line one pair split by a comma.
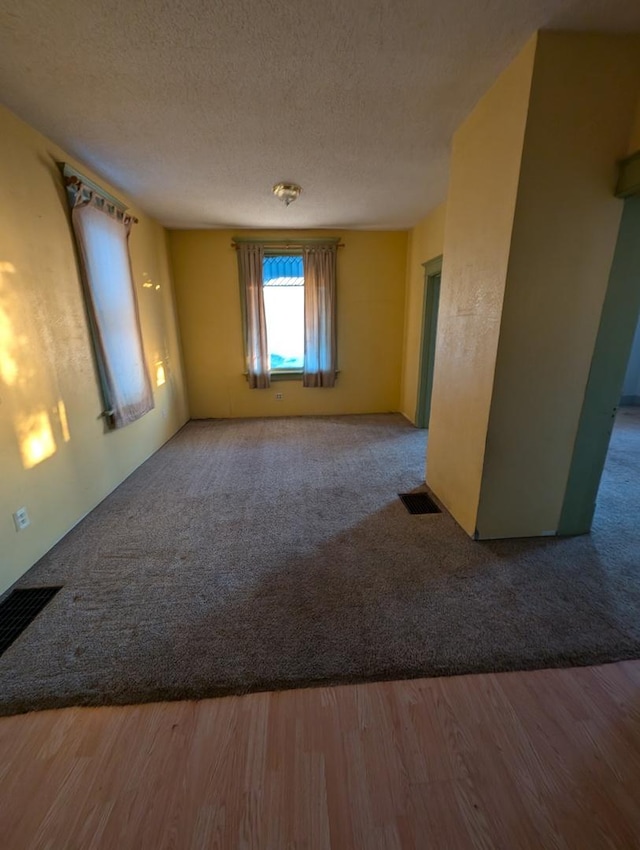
x,y
485,169
530,234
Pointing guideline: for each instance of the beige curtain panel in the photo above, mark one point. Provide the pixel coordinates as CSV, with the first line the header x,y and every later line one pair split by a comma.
x,y
319,316
250,257
102,234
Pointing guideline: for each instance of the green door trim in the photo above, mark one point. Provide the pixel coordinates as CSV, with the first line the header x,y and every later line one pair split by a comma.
x,y
432,272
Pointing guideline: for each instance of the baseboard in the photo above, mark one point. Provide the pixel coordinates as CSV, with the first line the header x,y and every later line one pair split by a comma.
x,y
630,401
410,419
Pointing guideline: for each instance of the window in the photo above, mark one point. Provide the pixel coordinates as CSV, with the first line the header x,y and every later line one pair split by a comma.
x,y
288,301
283,289
101,228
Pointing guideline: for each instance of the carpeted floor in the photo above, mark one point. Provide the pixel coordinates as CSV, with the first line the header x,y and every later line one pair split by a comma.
x,y
264,554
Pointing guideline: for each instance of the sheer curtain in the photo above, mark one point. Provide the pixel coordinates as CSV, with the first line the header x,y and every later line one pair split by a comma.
x,y
102,234
250,257
319,315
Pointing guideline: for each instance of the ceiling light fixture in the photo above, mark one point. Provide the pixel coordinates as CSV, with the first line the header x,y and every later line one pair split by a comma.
x,y
287,192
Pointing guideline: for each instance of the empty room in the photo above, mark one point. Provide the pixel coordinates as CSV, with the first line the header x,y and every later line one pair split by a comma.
x,y
320,424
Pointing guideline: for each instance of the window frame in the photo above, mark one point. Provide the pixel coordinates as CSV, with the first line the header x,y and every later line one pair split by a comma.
x,y
279,247
120,408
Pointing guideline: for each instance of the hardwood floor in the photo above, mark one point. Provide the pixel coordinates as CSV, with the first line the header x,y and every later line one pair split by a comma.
x,y
548,759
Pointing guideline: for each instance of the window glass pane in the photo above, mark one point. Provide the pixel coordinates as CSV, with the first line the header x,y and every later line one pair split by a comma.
x,y
284,309
283,270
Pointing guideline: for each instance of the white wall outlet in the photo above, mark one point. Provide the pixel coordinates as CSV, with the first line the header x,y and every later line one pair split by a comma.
x,y
278,396
21,519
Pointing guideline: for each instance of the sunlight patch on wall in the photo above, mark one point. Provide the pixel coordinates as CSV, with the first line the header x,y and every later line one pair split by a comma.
x,y
8,363
161,377
64,422
35,438
147,283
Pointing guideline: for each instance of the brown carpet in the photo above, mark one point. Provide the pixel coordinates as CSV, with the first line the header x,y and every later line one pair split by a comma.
x,y
264,554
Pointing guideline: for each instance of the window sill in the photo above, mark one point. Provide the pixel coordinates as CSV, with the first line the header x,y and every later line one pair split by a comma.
x,y
283,375
286,374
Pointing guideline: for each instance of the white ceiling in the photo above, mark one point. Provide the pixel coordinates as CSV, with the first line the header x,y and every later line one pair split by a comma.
x,y
196,108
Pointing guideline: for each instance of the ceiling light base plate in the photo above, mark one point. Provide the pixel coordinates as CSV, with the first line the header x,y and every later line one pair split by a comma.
x,y
287,192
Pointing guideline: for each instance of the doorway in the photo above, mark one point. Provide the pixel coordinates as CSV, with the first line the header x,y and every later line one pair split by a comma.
x,y
432,275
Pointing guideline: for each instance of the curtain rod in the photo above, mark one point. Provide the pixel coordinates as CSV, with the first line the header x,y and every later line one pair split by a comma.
x,y
72,175
286,243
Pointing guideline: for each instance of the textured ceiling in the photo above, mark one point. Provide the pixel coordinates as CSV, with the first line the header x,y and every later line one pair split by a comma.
x,y
197,107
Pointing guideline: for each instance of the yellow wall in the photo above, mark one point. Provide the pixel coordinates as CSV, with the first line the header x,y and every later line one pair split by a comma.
x,y
485,168
55,457
583,97
371,282
426,241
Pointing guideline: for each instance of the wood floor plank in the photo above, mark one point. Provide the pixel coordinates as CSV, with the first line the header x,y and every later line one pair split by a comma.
x,y
519,760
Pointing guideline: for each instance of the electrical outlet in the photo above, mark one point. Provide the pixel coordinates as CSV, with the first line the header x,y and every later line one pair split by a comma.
x,y
21,519
279,396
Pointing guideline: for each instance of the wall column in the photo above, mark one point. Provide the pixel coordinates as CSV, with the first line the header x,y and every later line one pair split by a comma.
x,y
532,226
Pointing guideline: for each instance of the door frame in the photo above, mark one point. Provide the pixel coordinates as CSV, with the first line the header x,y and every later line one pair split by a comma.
x,y
432,270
